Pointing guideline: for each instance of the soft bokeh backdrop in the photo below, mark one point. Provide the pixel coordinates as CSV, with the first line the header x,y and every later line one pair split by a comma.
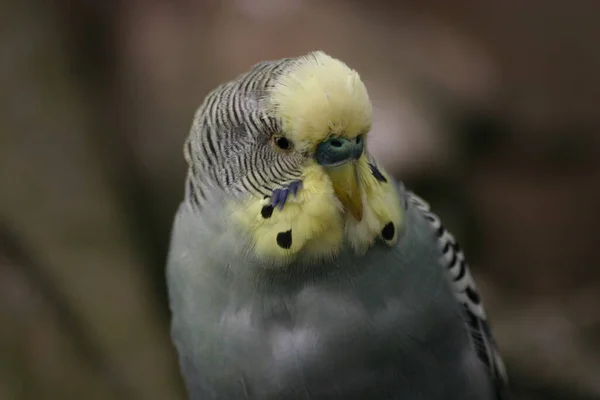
x,y
487,109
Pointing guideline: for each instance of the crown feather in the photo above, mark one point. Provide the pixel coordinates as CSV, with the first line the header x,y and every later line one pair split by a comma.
x,y
319,96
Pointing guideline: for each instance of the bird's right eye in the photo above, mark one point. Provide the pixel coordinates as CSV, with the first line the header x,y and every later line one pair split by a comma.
x,y
282,143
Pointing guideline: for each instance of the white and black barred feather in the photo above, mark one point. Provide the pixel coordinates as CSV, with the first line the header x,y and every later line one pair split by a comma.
x,y
466,293
228,148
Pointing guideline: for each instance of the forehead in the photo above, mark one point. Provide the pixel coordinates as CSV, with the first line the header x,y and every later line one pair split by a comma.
x,y
319,96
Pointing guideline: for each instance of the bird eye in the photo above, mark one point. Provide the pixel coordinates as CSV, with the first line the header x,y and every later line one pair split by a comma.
x,y
282,143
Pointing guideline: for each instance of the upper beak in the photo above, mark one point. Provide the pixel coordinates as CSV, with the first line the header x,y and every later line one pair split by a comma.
x,y
338,156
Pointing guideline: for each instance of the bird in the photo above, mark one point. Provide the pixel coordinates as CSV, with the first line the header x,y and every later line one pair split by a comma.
x,y
298,268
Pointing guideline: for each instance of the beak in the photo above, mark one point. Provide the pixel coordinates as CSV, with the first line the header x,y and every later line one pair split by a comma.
x,y
345,185
339,156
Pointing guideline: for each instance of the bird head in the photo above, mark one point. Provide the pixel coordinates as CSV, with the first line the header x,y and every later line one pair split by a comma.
x,y
287,142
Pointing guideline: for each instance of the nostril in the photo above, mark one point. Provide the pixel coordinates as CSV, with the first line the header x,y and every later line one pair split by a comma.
x,y
336,143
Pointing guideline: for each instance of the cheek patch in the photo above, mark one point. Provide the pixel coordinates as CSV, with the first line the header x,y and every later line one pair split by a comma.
x,y
377,174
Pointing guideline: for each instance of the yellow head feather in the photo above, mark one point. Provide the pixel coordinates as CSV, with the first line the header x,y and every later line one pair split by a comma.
x,y
320,96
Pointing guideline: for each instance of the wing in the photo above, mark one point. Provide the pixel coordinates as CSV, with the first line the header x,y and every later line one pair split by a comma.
x,y
466,293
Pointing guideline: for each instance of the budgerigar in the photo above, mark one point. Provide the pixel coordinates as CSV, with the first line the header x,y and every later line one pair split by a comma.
x,y
299,269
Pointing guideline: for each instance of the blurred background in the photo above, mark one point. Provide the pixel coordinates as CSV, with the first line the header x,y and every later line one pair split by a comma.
x,y
487,109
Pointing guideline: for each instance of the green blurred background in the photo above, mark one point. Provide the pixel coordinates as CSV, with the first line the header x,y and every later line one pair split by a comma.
x,y
489,109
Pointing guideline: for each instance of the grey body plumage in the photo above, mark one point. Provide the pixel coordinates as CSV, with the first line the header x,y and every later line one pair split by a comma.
x,y
386,325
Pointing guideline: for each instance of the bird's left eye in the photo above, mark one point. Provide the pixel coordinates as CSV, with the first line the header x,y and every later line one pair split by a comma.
x,y
282,143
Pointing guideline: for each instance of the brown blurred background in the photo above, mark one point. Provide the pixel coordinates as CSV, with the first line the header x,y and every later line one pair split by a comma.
x,y
487,109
